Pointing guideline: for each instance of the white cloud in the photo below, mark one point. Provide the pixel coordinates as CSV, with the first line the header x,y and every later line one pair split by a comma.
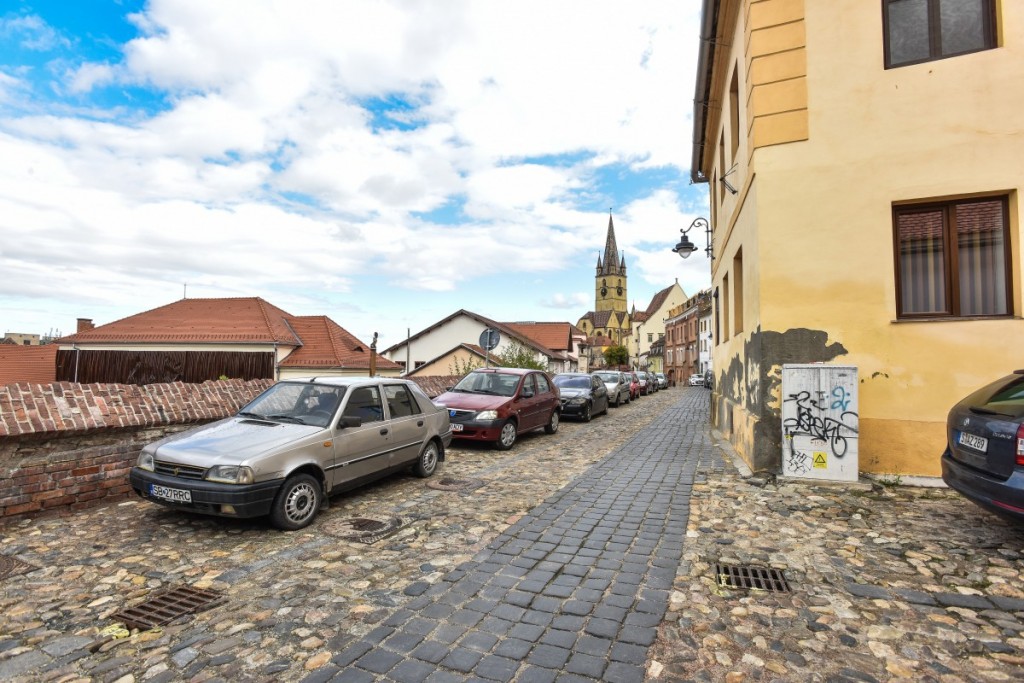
x,y
32,33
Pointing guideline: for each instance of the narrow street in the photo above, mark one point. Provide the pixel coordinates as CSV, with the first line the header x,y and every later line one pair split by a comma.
x,y
586,555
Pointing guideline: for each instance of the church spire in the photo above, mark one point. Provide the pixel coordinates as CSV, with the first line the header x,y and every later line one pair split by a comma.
x,y
611,250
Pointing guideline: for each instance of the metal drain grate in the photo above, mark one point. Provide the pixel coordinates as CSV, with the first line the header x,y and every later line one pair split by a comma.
x,y
757,578
12,566
452,484
168,606
363,530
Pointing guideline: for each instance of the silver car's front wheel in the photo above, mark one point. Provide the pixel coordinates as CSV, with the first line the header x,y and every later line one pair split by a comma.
x,y
427,462
296,503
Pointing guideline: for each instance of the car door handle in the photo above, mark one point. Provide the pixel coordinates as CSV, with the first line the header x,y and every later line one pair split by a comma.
x,y
384,432
419,423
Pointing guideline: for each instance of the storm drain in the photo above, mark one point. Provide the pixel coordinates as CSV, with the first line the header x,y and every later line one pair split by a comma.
x,y
757,578
12,566
362,530
452,484
166,607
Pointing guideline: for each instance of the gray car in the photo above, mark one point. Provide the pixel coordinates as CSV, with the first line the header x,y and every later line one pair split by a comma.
x,y
295,444
618,386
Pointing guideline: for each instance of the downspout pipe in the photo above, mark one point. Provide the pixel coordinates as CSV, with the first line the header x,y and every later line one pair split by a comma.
x,y
702,88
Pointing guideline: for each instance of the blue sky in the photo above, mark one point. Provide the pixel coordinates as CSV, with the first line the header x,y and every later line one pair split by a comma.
x,y
384,163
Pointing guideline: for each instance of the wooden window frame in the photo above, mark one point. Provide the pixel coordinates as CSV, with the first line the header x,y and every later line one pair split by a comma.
x,y
989,21
950,257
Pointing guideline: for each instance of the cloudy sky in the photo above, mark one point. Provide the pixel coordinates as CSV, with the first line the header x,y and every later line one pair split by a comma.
x,y
382,162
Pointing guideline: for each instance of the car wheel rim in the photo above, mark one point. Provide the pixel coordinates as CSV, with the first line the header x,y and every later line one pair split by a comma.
x,y
554,421
301,503
429,461
508,435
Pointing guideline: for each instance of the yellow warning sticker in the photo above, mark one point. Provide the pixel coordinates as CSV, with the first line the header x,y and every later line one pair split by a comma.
x,y
820,460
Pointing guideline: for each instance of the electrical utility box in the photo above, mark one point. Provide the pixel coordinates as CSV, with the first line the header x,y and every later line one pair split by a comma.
x,y
820,422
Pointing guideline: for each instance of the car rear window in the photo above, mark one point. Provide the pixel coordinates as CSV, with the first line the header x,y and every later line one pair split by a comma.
x,y
1005,397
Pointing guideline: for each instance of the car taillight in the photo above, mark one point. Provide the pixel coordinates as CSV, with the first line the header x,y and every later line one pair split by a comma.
x,y
1020,445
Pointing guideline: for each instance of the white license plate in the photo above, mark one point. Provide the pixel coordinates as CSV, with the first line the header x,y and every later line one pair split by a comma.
x,y
173,495
978,443
456,428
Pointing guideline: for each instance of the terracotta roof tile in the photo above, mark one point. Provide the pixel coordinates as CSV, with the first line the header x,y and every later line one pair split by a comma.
x,y
555,336
326,344
33,364
235,320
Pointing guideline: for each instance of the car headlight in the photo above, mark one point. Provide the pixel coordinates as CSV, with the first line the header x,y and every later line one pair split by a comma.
x,y
578,401
230,474
145,461
487,415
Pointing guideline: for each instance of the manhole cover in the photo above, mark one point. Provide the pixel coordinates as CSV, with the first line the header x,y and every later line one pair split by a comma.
x,y
12,566
452,484
362,530
757,578
166,607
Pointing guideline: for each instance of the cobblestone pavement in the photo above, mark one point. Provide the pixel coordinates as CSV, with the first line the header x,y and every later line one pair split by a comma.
x,y
567,562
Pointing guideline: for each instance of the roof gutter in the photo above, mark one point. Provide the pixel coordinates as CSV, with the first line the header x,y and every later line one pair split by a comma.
x,y
702,89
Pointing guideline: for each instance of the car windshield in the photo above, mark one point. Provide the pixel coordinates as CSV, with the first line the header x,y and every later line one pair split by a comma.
x,y
296,403
572,382
608,376
494,383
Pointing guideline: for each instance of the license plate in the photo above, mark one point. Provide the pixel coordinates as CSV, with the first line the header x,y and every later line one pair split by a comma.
x,y
978,443
456,428
173,495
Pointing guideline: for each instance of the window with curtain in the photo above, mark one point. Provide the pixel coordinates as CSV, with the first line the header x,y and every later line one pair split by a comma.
x,y
952,259
925,30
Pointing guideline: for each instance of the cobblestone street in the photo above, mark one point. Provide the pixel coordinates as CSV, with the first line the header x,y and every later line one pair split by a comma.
x,y
586,555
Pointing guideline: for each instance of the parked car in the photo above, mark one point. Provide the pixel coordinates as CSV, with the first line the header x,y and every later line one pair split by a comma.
x,y
984,456
709,379
662,380
634,385
646,385
499,404
582,395
292,446
696,380
617,384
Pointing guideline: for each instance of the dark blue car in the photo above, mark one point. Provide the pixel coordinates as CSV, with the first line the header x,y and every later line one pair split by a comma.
x,y
984,456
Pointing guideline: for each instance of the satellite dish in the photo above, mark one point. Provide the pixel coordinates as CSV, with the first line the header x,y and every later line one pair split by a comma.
x,y
489,339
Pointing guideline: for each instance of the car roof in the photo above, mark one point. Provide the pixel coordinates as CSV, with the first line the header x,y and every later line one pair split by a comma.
x,y
508,371
344,381
573,374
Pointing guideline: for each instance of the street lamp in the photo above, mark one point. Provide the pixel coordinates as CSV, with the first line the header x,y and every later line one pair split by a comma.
x,y
686,247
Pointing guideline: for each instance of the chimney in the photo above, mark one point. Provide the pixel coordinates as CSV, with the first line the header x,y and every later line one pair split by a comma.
x,y
85,324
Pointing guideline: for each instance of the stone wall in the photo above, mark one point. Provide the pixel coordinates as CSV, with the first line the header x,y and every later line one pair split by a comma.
x,y
68,446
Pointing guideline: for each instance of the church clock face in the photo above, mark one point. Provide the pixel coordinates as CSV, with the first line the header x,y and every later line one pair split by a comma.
x,y
618,291
604,291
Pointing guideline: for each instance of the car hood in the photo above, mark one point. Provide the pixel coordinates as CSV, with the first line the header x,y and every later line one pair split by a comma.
x,y
464,401
571,393
231,441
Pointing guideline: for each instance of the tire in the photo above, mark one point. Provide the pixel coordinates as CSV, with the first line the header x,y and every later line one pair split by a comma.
x,y
618,399
552,426
507,438
585,415
426,464
629,399
607,404
296,503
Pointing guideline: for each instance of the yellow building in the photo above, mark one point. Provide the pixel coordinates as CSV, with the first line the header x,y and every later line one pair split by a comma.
x,y
864,162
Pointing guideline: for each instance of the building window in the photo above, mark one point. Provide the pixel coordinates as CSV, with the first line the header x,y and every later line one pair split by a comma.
x,y
734,113
925,30
952,259
737,273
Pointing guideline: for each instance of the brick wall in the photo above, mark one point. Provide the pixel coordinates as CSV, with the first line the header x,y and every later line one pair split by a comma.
x,y
68,446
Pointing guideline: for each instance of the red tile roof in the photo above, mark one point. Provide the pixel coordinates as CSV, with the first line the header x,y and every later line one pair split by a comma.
x,y
241,320
34,364
326,344
555,336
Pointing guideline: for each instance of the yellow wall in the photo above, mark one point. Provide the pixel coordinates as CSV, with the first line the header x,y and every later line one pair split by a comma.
x,y
814,217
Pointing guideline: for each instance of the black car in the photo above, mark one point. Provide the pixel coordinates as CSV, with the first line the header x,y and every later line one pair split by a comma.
x,y
984,456
582,395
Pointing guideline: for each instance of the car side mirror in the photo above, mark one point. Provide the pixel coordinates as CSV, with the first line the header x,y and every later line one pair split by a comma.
x,y
350,421
449,388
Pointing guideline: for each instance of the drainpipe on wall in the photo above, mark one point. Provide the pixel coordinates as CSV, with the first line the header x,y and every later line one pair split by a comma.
x,y
373,356
78,352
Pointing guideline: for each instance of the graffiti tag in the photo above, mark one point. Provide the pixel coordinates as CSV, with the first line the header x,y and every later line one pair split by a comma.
x,y
811,421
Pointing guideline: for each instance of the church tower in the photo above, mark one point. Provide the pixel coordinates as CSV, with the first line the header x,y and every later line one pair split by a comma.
x,y
610,281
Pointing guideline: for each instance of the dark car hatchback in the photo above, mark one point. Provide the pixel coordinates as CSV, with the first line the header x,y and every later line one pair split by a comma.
x,y
984,456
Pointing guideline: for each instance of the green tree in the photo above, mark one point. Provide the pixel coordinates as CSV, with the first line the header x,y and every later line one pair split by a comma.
x,y
518,356
461,368
616,355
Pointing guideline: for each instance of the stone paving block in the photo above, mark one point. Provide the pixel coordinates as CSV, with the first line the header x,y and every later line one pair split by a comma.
x,y
536,674
461,659
864,590
915,597
968,601
548,656
411,671
1006,603
402,642
513,648
378,661
497,668
351,653
430,651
